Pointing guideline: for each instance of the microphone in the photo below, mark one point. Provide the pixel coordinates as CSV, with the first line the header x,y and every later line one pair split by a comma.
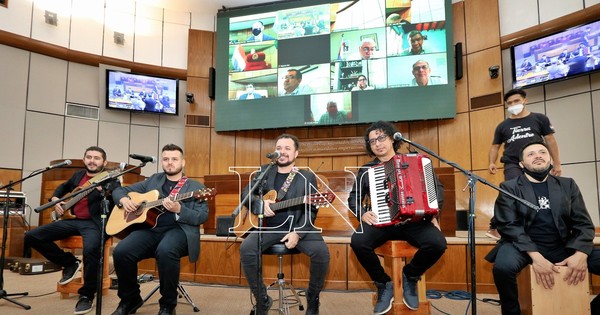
x,y
398,136
143,158
274,155
61,164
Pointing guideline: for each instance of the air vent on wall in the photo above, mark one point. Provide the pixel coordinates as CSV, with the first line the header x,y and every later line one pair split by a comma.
x,y
82,111
197,120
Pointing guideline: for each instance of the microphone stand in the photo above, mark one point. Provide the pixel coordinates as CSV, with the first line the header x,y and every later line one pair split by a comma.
x,y
3,294
259,182
472,179
105,184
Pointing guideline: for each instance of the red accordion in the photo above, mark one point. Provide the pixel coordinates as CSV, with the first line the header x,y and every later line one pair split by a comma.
x,y
403,189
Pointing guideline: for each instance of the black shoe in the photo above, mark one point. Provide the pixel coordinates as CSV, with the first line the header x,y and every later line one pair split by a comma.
x,y
312,304
167,310
69,273
84,305
266,306
126,308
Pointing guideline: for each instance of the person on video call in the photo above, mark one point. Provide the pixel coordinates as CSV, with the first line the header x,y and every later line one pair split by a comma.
x,y
250,94
416,44
366,50
560,233
421,71
258,33
292,86
362,84
333,115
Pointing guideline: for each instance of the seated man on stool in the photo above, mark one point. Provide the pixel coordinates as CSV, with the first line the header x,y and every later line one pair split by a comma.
x,y
176,234
87,223
292,226
425,234
560,233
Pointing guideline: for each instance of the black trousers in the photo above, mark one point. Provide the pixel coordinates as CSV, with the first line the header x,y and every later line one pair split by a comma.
x,y
167,245
510,261
312,244
42,239
430,242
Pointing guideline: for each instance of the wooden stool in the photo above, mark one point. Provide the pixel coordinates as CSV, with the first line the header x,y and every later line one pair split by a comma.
x,y
562,299
394,255
76,242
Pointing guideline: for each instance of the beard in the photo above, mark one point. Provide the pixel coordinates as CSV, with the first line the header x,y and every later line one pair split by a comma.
x,y
96,171
288,163
175,172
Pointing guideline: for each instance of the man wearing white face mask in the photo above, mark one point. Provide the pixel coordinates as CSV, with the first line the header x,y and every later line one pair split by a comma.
x,y
520,128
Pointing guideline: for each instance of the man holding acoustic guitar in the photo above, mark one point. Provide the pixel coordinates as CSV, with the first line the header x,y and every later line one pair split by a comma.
x,y
168,230
292,226
85,213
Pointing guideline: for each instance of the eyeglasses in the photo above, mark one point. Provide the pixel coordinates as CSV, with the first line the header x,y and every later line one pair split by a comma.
x,y
289,77
380,139
362,79
424,67
367,49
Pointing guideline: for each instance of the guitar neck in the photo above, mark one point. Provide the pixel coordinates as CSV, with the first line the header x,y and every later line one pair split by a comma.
x,y
76,199
178,197
287,203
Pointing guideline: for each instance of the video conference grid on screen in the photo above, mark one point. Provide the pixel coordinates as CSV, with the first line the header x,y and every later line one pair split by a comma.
x,y
329,52
565,54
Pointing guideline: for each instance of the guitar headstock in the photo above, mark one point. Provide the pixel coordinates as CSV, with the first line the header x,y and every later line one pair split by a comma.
x,y
321,199
205,193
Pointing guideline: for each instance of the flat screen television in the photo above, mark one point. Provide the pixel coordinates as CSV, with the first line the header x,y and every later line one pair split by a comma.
x,y
559,56
142,93
318,62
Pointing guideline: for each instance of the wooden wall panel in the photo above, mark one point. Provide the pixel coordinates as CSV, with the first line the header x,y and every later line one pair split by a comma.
x,y
202,103
483,124
482,25
6,175
247,148
455,144
462,89
197,154
321,163
221,146
219,262
200,53
485,199
340,162
449,271
336,277
425,133
345,131
458,24
478,66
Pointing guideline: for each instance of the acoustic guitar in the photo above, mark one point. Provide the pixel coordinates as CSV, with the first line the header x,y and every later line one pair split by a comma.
x,y
247,220
120,223
68,214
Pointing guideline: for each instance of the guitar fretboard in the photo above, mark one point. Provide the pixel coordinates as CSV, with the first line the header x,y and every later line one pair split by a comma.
x,y
287,203
176,198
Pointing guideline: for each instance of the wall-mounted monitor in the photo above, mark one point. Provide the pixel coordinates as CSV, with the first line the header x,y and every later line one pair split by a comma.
x,y
317,62
141,93
568,53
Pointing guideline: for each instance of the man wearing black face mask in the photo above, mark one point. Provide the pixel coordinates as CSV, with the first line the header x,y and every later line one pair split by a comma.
x,y
560,233
258,34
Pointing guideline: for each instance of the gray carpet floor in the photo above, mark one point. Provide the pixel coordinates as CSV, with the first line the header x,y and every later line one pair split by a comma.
x,y
44,300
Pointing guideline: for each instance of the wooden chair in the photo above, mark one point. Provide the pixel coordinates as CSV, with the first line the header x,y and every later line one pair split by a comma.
x,y
395,255
76,242
562,299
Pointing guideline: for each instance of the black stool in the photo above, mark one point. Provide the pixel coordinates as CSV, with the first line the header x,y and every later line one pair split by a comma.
x,y
182,293
284,301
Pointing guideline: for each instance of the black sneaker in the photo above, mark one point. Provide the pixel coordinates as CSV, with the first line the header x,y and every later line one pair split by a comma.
x,y
312,304
266,306
84,305
69,273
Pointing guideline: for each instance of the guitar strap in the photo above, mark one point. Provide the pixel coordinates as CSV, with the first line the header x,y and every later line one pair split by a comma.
x,y
286,185
177,187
